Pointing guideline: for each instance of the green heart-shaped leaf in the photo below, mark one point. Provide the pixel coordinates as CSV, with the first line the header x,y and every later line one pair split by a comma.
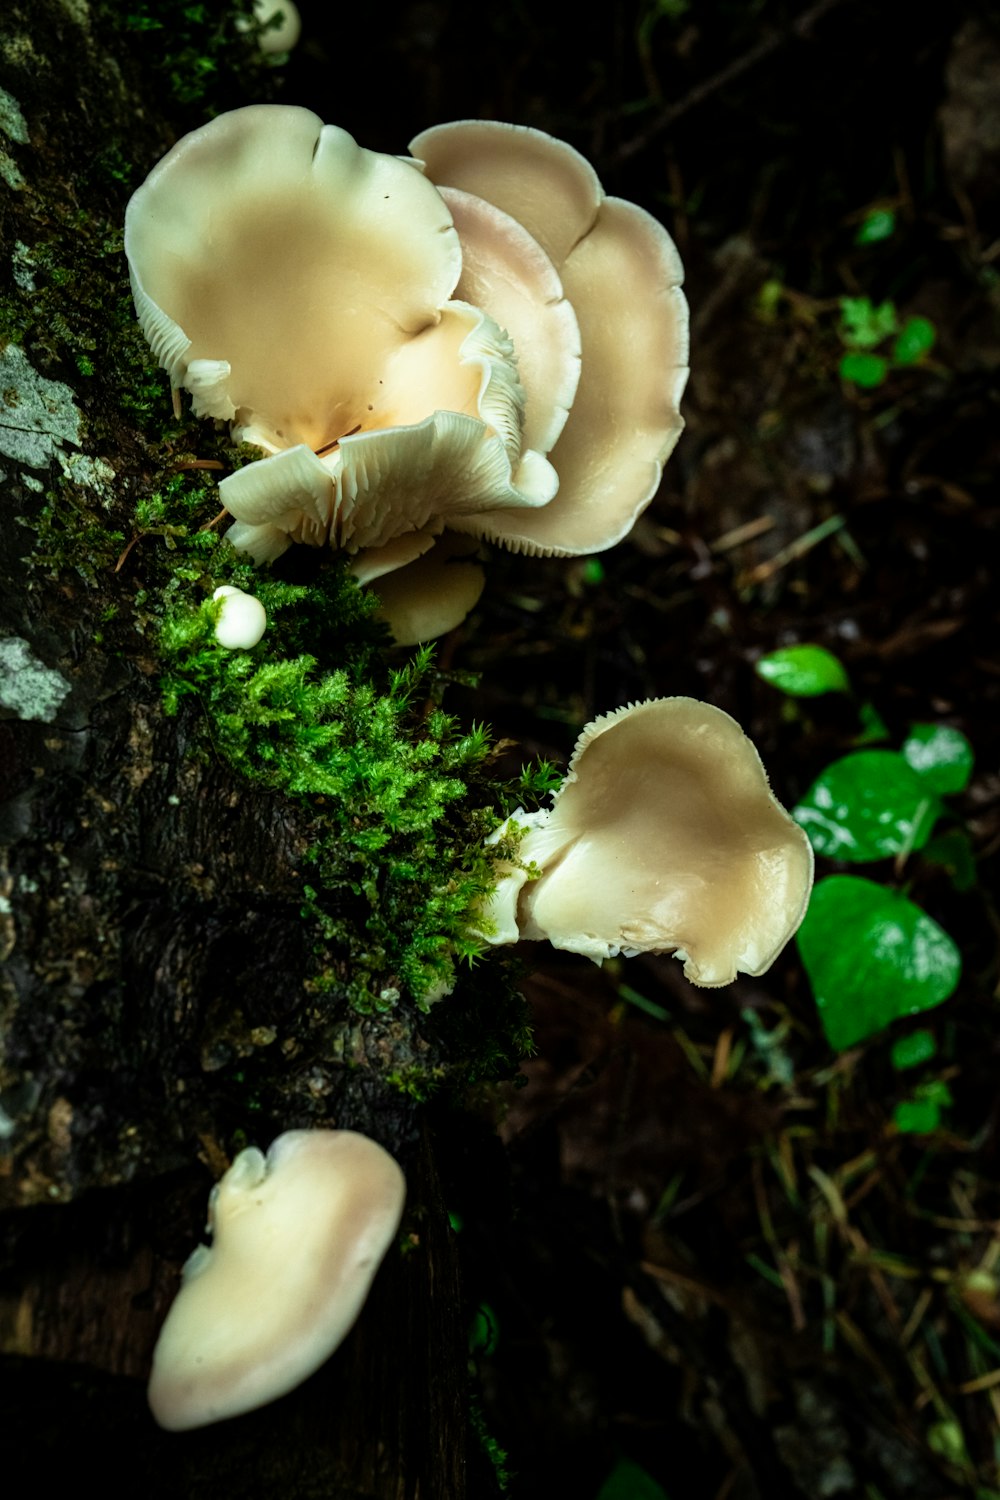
x,y
872,956
869,805
941,755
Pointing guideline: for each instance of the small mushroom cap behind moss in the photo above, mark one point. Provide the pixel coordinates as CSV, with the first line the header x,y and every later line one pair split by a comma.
x,y
282,25
298,1237
665,838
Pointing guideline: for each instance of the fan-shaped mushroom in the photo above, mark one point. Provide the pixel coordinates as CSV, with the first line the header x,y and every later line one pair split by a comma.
x,y
298,1237
664,837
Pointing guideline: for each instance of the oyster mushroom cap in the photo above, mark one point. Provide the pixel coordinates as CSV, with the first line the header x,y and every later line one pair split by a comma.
x,y
298,1237
304,289
665,837
543,183
621,273
508,274
255,245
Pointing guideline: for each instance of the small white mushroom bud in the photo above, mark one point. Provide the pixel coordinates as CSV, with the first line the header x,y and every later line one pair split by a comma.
x,y
242,619
298,1238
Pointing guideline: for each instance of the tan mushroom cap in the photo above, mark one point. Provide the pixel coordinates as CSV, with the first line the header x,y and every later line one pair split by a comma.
x,y
288,265
303,288
621,272
298,1237
543,183
665,837
508,274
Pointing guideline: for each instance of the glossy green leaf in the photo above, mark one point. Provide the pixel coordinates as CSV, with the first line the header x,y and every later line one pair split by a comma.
x,y
910,1051
869,805
916,338
804,671
628,1481
866,370
872,956
878,224
941,755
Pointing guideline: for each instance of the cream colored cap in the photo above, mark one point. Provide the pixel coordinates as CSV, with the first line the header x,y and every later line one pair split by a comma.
x,y
298,1238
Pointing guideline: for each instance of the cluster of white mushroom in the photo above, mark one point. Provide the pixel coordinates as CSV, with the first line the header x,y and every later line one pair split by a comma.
x,y
473,344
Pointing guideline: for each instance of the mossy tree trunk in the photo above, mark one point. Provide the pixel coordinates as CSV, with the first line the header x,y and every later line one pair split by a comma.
x,y
156,1004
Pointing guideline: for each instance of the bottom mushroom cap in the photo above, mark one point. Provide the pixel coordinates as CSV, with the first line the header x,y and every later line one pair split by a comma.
x,y
298,1238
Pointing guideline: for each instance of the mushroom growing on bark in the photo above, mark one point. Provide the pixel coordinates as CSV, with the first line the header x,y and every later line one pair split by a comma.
x,y
663,838
477,341
298,1236
242,618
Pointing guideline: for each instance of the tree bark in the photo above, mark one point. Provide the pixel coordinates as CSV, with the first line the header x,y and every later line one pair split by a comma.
x,y
154,1005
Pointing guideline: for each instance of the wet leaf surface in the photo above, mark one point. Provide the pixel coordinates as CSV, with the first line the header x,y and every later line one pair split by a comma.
x,y
872,956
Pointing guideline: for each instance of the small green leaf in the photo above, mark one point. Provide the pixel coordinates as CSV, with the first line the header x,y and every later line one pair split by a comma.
x,y
803,671
878,224
873,726
483,1332
866,806
916,1116
872,956
936,1090
866,370
910,1051
628,1481
862,325
953,851
916,338
941,755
